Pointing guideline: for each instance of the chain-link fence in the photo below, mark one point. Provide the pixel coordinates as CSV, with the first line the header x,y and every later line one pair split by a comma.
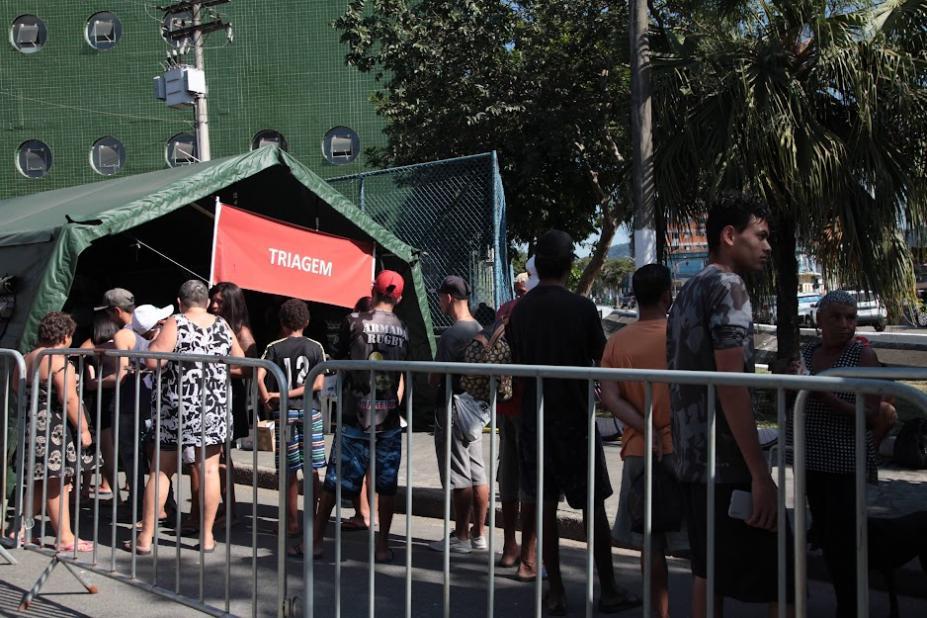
x,y
453,211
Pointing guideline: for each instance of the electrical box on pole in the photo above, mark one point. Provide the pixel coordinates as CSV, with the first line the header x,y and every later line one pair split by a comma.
x,y
183,86
179,86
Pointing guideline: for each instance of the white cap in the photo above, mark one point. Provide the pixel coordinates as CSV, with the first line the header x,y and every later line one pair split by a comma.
x,y
146,317
533,279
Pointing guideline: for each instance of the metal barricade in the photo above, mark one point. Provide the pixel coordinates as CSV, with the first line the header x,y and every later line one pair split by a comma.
x,y
12,383
127,569
861,383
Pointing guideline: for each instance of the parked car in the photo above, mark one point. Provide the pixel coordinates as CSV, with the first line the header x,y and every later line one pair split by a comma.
x,y
869,310
805,303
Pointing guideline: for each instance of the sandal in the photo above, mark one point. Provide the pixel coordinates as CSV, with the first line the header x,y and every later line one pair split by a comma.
x,y
82,546
353,524
139,550
625,600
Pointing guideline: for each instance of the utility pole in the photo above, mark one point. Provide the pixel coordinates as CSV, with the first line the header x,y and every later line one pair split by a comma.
x,y
642,186
193,89
201,112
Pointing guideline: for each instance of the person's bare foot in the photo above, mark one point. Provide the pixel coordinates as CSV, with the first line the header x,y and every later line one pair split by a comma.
x,y
526,572
510,556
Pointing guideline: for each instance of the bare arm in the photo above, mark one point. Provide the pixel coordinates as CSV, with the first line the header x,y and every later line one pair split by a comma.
x,y
737,408
237,371
620,408
867,358
401,389
166,341
66,387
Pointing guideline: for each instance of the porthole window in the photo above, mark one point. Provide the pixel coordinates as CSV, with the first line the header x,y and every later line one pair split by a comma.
x,y
34,159
103,31
174,22
267,137
340,145
181,150
28,34
107,156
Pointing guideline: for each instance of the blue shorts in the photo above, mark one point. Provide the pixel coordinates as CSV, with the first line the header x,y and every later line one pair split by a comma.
x,y
355,459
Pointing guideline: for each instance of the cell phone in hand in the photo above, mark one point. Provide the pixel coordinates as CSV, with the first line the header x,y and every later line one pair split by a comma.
x,y
741,506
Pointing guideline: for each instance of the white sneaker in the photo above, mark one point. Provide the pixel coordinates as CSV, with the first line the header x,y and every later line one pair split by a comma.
x,y
478,543
456,545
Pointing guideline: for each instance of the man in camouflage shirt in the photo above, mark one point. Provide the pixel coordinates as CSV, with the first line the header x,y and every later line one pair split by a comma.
x,y
710,328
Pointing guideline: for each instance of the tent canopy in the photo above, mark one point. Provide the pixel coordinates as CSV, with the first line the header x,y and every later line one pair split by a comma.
x,y
44,234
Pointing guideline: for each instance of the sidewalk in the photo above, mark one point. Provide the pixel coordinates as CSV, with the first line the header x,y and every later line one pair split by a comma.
x,y
899,491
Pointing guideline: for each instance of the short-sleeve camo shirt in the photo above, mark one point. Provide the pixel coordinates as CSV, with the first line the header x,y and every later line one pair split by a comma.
x,y
712,312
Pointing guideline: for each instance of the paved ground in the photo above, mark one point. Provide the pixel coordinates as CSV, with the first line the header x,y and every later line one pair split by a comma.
x,y
63,596
899,491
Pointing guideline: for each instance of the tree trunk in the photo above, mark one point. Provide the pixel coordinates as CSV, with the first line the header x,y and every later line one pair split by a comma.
x,y
642,189
784,247
600,252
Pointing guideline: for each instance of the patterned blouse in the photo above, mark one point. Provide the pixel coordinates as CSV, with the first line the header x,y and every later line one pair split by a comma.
x,y
830,435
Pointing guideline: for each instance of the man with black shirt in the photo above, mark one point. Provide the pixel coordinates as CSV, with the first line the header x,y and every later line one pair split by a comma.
x,y
552,326
372,335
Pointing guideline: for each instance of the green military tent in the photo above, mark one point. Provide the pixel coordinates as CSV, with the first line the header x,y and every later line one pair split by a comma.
x,y
148,232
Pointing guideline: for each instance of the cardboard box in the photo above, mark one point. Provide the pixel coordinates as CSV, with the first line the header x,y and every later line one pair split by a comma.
x,y
266,436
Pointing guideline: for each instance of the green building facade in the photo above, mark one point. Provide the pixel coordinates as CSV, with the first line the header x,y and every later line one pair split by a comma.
x,y
77,100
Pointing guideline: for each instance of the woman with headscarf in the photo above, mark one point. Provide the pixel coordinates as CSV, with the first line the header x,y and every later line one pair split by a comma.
x,y
830,442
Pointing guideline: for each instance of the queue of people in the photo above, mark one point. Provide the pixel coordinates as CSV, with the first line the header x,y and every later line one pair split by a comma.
x,y
707,327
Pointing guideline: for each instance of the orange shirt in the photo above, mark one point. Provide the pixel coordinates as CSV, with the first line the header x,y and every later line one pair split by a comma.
x,y
641,345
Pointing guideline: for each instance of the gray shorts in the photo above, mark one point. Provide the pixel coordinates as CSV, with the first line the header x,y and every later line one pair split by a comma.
x,y
669,542
467,467
508,474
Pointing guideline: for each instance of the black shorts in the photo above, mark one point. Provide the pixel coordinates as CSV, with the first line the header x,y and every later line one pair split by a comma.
x,y
746,558
565,452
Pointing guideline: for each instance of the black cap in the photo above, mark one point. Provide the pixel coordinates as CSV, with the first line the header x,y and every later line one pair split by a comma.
x,y
554,244
456,286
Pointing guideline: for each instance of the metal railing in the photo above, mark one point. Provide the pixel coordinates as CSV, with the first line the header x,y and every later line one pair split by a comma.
x,y
863,381
187,365
13,375
869,385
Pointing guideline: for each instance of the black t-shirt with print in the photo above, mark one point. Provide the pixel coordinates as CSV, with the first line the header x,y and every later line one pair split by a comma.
x,y
372,335
296,356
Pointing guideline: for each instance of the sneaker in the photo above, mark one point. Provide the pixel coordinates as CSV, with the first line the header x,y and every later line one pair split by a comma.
x,y
478,543
456,545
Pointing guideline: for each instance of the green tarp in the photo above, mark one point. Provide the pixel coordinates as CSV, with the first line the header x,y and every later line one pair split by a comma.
x,y
42,235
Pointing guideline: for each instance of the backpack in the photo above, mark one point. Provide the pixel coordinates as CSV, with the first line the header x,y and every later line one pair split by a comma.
x,y
488,348
911,445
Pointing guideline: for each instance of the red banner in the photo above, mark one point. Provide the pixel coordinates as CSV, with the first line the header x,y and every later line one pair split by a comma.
x,y
265,255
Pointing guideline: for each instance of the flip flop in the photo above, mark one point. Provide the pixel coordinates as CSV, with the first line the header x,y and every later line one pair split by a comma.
x,y
207,550
353,525
626,600
82,546
502,564
139,550
295,552
387,560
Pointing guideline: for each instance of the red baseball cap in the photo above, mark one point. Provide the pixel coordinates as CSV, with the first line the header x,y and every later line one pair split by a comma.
x,y
388,283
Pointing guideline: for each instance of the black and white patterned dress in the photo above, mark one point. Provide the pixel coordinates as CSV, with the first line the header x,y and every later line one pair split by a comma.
x,y
182,396
830,435
50,412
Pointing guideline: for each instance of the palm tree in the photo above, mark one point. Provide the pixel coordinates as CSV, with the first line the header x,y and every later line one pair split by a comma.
x,y
818,107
